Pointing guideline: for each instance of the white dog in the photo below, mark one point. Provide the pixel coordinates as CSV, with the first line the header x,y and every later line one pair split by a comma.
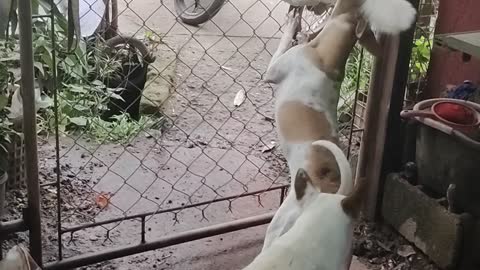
x,y
321,238
309,76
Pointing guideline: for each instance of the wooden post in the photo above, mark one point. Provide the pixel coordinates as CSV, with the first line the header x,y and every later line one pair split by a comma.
x,y
382,140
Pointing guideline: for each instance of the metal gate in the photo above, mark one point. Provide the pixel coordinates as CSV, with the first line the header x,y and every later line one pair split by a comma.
x,y
201,159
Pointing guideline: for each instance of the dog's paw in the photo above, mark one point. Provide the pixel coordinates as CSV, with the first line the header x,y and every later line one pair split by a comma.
x,y
302,38
292,24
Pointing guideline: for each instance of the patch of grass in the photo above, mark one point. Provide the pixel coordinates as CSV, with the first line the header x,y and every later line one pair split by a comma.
x,y
123,130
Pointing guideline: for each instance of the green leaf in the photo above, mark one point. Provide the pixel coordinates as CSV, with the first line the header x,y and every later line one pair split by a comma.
x,y
98,83
79,121
39,66
117,96
77,89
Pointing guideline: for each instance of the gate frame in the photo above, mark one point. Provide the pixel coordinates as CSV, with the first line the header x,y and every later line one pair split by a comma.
x,y
32,217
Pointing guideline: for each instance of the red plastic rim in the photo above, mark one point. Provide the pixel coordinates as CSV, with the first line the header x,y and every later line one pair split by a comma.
x,y
468,110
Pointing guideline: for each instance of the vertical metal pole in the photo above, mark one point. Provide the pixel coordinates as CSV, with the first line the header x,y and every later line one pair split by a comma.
x,y
30,129
283,190
354,109
57,134
114,22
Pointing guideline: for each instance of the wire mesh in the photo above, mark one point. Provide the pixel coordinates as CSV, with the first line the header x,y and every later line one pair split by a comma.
x,y
421,51
132,150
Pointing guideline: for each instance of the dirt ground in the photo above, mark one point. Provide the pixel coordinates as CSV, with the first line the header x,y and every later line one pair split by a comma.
x,y
207,150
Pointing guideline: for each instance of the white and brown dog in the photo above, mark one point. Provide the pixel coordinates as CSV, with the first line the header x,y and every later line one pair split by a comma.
x,y
309,76
321,238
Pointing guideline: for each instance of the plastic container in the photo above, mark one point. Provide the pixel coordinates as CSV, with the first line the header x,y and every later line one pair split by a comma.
x,y
454,113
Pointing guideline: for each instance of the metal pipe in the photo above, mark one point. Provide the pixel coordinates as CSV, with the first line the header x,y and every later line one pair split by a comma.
x,y
37,16
196,234
114,21
12,226
30,129
86,226
57,133
355,102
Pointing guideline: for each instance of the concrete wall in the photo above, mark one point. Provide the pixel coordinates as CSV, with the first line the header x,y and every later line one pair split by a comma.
x,y
447,67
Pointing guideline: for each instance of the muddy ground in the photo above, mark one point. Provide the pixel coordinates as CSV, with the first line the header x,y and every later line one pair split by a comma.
x,y
207,149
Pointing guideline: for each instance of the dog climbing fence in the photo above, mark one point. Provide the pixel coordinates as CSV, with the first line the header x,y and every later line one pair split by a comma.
x,y
166,134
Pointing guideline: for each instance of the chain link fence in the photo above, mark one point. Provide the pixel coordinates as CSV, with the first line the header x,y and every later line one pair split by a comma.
x,y
166,133
421,51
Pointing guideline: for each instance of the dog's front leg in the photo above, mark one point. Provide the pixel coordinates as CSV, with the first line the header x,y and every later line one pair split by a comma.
x,y
286,42
282,221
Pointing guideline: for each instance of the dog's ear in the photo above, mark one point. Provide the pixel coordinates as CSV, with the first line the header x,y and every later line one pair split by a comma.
x,y
301,182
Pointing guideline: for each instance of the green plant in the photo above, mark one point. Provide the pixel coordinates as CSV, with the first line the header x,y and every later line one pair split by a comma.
x,y
6,130
122,130
420,58
352,77
76,72
82,95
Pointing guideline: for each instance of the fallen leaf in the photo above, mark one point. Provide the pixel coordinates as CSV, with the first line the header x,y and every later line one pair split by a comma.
x,y
102,200
239,98
406,251
269,147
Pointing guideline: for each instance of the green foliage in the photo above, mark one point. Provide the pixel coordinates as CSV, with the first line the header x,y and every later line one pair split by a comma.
x,y
6,129
418,69
122,130
420,58
349,85
81,94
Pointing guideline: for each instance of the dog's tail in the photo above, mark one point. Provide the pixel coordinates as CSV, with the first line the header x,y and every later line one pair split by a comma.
x,y
346,178
389,16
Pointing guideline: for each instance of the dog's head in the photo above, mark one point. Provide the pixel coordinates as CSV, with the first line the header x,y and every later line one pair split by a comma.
x,y
335,216
306,193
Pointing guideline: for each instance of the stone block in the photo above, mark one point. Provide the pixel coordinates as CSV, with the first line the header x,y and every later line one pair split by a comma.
x,y
160,82
424,222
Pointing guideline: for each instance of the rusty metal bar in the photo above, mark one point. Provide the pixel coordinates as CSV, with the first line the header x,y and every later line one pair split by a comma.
x,y
30,129
37,16
57,134
114,21
12,226
355,102
282,194
137,216
188,236
143,231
